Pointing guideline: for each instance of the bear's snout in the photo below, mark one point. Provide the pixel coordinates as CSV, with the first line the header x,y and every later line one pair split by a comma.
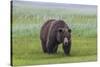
x,y
66,41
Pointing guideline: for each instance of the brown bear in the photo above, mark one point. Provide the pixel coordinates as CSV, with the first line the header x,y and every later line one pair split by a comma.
x,y
53,33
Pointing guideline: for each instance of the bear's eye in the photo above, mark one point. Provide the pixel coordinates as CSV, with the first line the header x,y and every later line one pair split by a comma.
x,y
60,30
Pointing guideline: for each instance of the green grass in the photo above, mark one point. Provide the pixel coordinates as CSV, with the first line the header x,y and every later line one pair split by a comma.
x,y
28,52
26,25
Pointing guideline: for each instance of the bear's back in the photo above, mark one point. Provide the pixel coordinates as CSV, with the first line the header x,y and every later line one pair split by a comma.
x,y
45,29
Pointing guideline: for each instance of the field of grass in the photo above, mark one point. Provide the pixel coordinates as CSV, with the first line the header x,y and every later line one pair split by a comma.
x,y
26,25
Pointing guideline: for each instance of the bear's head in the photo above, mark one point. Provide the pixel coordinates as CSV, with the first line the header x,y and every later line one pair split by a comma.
x,y
63,35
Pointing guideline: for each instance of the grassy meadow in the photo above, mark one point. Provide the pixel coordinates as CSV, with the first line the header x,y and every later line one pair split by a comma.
x,y
26,24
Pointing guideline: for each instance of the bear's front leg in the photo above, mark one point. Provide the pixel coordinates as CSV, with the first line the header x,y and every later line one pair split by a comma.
x,y
50,49
55,49
67,48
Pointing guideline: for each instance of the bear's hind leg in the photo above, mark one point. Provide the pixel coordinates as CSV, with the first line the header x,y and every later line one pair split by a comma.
x,y
44,46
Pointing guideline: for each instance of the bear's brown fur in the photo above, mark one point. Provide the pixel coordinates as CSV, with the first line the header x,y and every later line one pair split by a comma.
x,y
50,38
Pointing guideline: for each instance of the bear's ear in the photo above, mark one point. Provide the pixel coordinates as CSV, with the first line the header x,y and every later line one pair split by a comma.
x,y
69,30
